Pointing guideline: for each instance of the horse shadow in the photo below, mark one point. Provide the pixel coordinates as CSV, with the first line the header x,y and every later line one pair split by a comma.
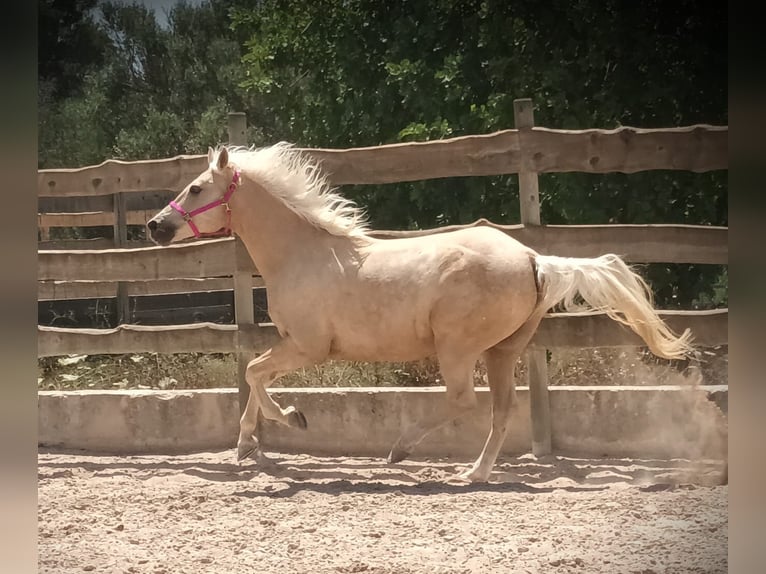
x,y
285,475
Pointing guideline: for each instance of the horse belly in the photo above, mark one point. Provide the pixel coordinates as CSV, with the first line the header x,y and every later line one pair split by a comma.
x,y
382,328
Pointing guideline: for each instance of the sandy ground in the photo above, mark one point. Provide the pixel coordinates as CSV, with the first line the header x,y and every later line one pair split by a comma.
x,y
203,513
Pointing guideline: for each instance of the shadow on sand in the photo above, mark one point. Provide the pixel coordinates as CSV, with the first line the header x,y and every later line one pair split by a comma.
x,y
288,474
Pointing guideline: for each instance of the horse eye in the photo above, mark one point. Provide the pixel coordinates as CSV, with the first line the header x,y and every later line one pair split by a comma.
x,y
195,189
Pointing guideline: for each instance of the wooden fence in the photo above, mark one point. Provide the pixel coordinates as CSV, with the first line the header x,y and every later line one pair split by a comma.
x,y
209,265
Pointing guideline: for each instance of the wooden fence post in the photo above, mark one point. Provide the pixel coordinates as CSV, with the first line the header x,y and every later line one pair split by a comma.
x,y
120,241
243,278
537,364
237,128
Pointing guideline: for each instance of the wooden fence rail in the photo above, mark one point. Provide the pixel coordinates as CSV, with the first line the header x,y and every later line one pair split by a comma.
x,y
84,273
68,290
200,259
92,218
215,258
695,148
580,330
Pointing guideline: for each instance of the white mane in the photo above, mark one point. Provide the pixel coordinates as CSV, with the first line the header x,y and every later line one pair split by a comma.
x,y
296,180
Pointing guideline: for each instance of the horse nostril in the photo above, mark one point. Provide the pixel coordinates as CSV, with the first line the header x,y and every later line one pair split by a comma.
x,y
152,225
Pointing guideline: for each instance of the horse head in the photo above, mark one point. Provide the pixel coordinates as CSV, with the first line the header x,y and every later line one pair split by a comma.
x,y
202,208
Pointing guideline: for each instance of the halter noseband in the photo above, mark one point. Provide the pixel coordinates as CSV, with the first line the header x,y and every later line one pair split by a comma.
x,y
224,231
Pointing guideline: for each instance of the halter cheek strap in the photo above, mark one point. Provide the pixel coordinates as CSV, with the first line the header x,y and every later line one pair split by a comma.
x,y
224,201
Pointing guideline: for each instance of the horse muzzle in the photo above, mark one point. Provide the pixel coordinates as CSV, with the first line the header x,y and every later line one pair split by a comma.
x,y
161,232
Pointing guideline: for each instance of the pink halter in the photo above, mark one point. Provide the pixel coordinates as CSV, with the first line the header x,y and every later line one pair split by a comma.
x,y
224,231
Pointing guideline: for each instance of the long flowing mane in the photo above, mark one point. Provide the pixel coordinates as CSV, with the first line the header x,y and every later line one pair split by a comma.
x,y
297,181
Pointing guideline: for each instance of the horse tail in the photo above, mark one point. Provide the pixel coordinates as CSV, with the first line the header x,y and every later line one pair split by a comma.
x,y
608,284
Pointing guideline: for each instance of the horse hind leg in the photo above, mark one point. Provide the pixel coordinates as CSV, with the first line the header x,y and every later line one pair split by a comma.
x,y
457,372
500,375
501,361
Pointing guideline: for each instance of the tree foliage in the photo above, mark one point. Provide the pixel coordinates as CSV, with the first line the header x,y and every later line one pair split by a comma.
x,y
70,43
154,92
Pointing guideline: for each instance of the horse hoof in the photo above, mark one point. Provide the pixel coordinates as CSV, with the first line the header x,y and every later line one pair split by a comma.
x,y
297,420
247,450
472,476
397,454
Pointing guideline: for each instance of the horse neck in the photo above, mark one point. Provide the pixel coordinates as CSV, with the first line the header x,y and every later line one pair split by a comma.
x,y
274,235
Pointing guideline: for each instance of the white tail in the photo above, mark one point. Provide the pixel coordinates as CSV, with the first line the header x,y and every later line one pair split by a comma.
x,y
607,284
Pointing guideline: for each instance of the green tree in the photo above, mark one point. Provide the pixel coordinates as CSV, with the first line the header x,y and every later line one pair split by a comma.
x,y
156,92
70,44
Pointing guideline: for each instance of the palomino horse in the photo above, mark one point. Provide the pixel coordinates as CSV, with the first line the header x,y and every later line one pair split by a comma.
x,y
335,292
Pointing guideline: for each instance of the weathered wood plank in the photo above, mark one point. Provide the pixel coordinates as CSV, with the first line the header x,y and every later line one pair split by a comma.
x,y
244,315
92,218
210,313
120,242
64,290
196,338
97,244
637,243
539,400
243,287
81,204
651,243
697,148
583,330
529,193
209,258
710,328
490,154
536,357
692,148
136,201
115,176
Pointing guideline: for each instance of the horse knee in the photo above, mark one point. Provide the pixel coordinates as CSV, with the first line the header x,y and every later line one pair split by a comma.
x,y
256,373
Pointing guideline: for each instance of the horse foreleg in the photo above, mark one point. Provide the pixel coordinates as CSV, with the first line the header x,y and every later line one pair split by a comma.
x,y
247,444
457,372
260,373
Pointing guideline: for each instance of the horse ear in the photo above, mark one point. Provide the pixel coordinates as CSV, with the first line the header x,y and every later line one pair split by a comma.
x,y
223,158
210,155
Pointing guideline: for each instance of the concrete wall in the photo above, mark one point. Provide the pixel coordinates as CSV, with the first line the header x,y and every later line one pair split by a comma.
x,y
595,421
